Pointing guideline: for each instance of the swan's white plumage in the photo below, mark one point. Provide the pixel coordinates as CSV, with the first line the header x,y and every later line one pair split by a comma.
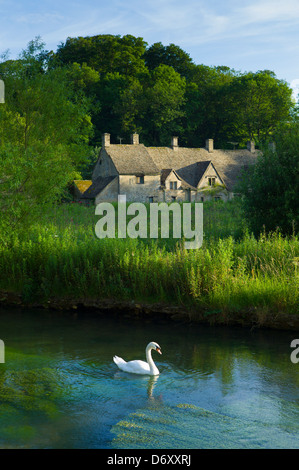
x,y
140,367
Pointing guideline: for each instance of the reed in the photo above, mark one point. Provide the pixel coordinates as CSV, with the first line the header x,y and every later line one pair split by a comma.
x,y
61,258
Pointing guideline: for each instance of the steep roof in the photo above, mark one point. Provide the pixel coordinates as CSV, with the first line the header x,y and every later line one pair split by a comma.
x,y
189,163
82,185
97,186
132,160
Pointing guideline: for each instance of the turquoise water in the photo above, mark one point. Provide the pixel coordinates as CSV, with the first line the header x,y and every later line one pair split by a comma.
x,y
218,387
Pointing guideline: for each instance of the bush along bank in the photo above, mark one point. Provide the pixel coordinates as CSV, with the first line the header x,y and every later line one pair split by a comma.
x,y
246,281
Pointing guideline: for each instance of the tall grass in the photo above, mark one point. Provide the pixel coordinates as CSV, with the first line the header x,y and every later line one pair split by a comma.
x,y
61,258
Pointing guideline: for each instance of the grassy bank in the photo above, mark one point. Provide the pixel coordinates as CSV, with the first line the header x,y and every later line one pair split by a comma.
x,y
61,258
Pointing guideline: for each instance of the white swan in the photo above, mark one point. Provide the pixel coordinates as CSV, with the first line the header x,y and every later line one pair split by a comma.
x,y
140,367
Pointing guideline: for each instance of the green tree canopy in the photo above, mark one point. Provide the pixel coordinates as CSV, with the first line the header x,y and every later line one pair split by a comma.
x,y
218,102
44,134
258,103
163,99
105,53
270,189
170,55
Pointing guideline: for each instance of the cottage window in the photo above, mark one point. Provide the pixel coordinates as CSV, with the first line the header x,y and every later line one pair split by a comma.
x,y
173,185
202,199
150,199
217,198
173,198
211,181
140,179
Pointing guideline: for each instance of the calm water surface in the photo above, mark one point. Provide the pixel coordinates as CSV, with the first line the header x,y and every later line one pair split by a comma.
x,y
218,387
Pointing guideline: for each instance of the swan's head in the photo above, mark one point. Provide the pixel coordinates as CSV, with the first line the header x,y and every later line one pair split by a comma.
x,y
155,346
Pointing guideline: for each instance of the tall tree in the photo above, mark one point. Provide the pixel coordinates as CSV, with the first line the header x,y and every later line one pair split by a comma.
x,y
220,102
258,103
44,132
206,107
162,105
170,55
270,189
105,53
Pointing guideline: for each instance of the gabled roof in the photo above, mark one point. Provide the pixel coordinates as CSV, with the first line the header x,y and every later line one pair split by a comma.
x,y
189,163
97,186
203,168
165,174
228,163
82,185
132,160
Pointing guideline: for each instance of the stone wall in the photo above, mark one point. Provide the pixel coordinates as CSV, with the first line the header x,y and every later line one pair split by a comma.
x,y
204,184
140,192
180,195
104,166
109,193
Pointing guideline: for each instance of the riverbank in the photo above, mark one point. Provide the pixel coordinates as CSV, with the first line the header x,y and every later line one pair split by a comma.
x,y
233,278
247,318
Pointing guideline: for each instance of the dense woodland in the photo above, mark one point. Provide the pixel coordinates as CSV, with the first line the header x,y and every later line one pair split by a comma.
x,y
158,91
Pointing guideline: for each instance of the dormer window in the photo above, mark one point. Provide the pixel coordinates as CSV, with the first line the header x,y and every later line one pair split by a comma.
x,y
211,181
173,185
139,179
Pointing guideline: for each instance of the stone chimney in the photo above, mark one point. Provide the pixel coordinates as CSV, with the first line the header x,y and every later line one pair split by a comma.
x,y
105,140
251,146
135,139
174,143
210,145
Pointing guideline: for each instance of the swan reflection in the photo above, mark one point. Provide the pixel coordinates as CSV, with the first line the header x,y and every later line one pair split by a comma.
x,y
152,381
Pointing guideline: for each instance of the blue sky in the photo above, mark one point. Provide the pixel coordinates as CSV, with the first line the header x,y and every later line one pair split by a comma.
x,y
246,35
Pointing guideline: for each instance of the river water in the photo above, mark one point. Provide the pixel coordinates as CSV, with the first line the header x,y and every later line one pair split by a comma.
x,y
219,387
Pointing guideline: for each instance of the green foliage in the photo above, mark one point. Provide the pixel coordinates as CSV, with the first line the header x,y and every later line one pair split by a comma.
x,y
105,53
145,89
44,132
270,189
171,55
61,258
28,186
258,102
164,97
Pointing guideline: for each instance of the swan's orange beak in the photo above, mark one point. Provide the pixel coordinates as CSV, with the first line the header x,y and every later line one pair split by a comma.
x,y
159,350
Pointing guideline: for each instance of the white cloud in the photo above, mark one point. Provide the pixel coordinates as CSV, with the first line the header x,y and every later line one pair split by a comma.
x,y
257,33
271,10
38,18
262,19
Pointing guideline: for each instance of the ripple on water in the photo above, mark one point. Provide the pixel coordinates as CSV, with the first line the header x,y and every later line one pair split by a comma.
x,y
59,387
186,426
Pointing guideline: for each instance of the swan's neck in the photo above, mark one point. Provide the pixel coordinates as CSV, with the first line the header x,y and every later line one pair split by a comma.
x,y
153,368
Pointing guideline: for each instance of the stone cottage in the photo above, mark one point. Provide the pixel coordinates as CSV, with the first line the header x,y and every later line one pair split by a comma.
x,y
156,174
